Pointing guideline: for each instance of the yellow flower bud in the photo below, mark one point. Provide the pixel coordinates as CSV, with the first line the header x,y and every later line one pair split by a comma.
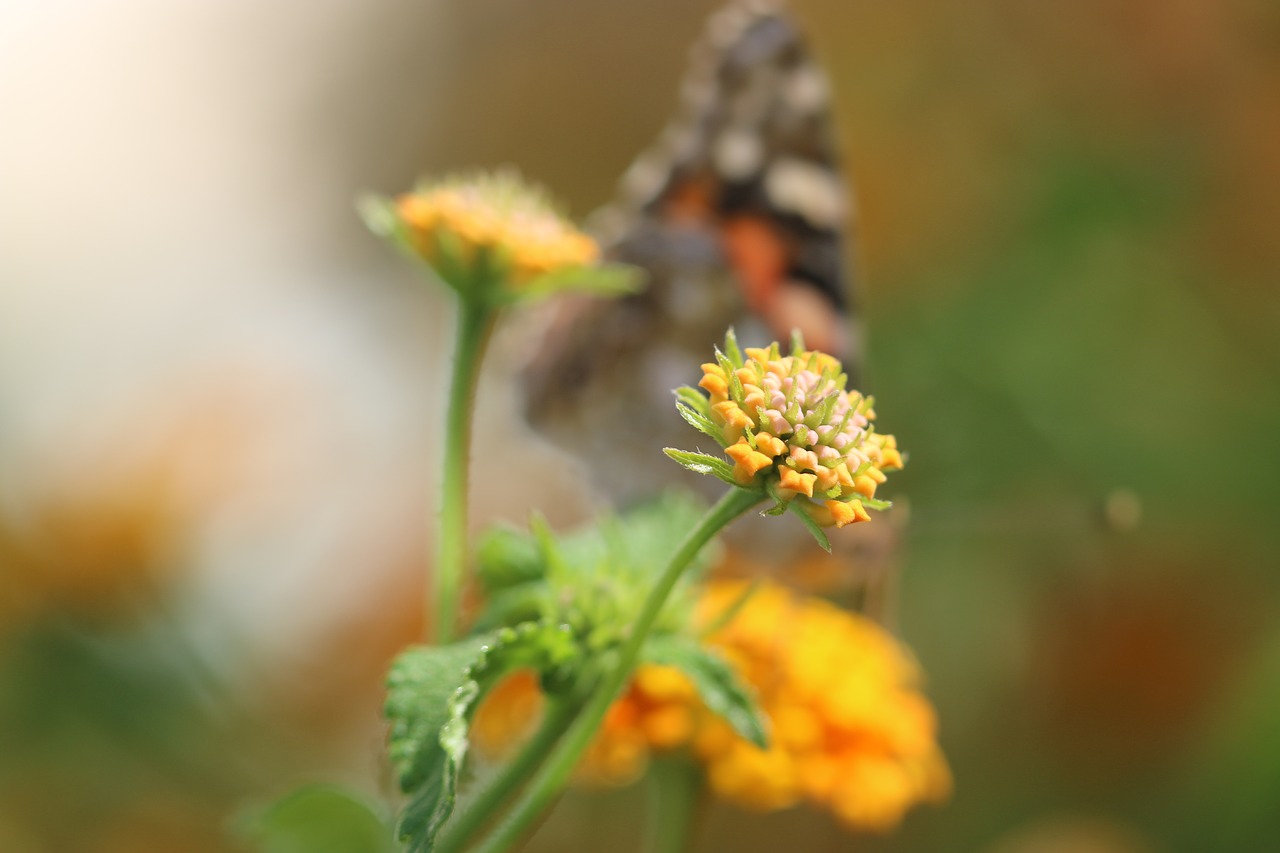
x,y
748,461
840,513
714,381
864,485
770,445
795,482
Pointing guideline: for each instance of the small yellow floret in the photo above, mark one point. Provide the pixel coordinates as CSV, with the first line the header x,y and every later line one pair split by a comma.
x,y
864,485
714,381
664,683
849,512
793,481
762,780
796,727
844,478
752,397
770,445
748,461
890,458
826,478
668,726
736,422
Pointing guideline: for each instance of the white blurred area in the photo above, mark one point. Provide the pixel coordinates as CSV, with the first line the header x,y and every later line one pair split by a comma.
x,y
193,320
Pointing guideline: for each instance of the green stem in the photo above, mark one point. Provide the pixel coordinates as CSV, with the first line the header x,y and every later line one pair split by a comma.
x,y
475,321
553,776
555,722
675,787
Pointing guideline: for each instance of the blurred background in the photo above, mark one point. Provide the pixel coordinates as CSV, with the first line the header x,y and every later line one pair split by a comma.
x,y
217,392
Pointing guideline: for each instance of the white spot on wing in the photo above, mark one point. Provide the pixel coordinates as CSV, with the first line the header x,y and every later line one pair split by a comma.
x,y
738,154
645,178
681,143
807,190
806,90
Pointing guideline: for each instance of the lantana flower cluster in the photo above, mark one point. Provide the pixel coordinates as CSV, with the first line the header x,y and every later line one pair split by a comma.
x,y
790,427
851,732
485,230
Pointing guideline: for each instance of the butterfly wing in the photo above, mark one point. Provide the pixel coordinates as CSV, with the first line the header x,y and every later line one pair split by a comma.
x,y
739,215
747,172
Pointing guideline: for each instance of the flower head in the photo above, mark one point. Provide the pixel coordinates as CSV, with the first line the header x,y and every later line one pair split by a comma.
x,y
791,428
495,234
851,731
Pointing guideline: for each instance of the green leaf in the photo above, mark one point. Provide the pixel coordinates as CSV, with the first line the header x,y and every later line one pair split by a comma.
x,y
717,683
731,348
549,550
642,540
694,399
507,557
595,578
513,605
380,216
731,374
316,819
701,463
873,503
432,693
701,423
797,342
608,280
798,507
420,688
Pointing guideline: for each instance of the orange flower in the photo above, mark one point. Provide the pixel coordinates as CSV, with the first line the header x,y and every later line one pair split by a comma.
x,y
851,731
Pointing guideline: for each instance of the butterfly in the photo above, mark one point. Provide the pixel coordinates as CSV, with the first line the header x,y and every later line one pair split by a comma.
x,y
740,216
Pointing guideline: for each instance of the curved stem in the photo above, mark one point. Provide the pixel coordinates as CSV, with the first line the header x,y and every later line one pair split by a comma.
x,y
560,713
475,321
553,776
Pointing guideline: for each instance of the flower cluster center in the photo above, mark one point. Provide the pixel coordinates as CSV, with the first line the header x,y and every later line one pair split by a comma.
x,y
792,416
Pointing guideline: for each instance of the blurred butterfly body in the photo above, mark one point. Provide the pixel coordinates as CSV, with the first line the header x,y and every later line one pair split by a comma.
x,y
738,214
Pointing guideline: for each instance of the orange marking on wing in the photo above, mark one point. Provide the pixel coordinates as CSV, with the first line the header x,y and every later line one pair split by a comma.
x,y
799,306
689,202
758,255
